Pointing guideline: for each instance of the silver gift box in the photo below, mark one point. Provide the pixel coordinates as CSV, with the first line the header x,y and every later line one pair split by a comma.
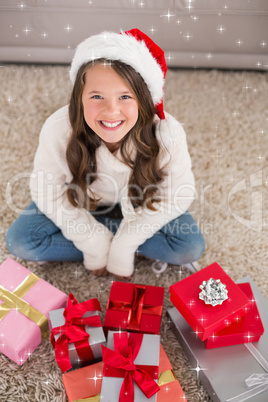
x,y
223,371
148,355
96,338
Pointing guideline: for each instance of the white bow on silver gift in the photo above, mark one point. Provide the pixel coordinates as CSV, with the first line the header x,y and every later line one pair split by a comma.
x,y
257,380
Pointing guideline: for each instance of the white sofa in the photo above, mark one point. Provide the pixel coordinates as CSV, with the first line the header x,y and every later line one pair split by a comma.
x,y
229,34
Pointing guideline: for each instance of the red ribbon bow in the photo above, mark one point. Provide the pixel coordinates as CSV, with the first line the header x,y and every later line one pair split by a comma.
x,y
73,331
120,363
135,308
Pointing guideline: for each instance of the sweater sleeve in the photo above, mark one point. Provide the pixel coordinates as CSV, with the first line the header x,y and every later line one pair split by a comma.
x,y
48,185
176,193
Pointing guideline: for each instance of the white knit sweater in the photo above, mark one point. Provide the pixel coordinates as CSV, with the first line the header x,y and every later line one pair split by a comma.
x,y
100,248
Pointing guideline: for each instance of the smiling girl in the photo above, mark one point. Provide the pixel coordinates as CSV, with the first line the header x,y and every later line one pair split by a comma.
x,y
112,173
110,107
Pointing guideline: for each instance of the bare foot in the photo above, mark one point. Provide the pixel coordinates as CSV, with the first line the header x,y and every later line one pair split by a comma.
x,y
100,272
122,277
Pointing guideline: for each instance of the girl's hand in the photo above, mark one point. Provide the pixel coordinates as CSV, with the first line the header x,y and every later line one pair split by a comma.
x,y
100,272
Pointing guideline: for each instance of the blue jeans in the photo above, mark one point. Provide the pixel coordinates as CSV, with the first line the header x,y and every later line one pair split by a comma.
x,y
34,237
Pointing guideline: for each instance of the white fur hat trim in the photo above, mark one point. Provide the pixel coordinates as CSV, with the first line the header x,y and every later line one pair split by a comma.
x,y
125,48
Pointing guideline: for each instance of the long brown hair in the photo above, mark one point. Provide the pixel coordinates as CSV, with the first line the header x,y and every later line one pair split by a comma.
x,y
81,150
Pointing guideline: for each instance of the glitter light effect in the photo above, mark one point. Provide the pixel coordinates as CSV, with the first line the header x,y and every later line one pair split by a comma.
x,y
184,22
184,26
168,15
198,369
95,378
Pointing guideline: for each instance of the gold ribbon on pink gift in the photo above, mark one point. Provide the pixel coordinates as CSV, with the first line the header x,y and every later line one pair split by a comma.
x,y
13,300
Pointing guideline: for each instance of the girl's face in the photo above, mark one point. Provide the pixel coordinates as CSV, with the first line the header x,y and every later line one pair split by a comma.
x,y
110,107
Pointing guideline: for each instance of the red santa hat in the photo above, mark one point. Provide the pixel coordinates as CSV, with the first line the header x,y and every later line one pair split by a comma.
x,y
133,48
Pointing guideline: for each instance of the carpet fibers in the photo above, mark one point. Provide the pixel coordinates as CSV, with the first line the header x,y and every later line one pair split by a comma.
x,y
225,116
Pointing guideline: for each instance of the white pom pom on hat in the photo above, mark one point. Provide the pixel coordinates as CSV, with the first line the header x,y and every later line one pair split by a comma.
x,y
133,48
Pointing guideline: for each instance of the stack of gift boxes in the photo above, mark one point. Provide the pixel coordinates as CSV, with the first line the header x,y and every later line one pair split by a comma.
x,y
223,329
123,359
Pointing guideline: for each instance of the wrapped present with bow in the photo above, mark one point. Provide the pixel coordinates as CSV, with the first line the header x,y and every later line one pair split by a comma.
x,y
232,373
25,302
77,333
131,367
209,300
248,328
84,384
134,308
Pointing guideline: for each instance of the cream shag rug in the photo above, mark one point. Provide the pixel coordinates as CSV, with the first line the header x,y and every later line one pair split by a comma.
x,y
225,116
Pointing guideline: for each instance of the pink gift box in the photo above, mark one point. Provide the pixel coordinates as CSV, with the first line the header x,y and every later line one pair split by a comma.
x,y
19,335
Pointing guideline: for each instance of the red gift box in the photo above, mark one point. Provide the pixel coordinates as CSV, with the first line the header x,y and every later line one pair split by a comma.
x,y
206,319
136,308
247,329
